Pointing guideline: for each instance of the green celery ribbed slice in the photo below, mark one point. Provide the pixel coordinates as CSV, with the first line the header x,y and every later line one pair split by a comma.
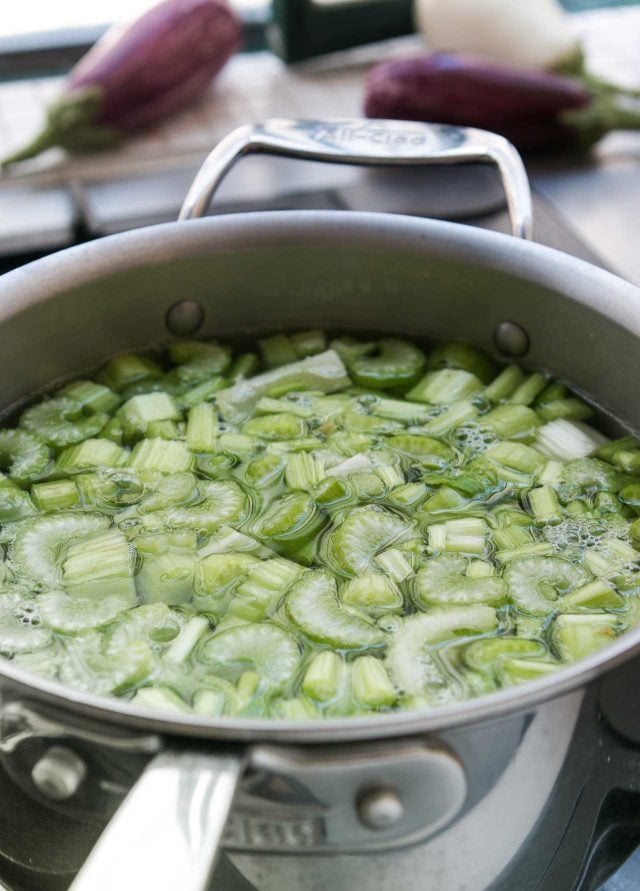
x,y
445,386
60,421
18,629
396,363
312,605
155,624
408,658
165,491
223,502
424,450
262,648
15,503
24,454
96,663
587,476
109,488
165,455
576,636
537,583
518,671
100,566
462,355
166,577
484,654
365,532
39,545
291,519
371,684
216,578
373,592
283,425
70,615
442,582
92,397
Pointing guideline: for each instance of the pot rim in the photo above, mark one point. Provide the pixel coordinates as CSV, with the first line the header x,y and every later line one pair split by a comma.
x,y
579,281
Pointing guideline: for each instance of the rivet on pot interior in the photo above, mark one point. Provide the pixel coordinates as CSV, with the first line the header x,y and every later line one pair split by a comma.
x,y
185,317
511,339
380,807
59,773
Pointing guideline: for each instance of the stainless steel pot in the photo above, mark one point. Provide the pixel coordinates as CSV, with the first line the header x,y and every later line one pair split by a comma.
x,y
463,797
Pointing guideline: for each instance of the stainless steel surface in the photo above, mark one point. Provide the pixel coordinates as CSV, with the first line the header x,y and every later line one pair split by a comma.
x,y
167,832
367,143
380,807
59,773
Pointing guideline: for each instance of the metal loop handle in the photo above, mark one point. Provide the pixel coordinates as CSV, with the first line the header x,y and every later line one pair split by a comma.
x,y
367,143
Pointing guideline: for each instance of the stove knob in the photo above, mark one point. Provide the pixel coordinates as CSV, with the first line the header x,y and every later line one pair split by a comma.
x,y
59,773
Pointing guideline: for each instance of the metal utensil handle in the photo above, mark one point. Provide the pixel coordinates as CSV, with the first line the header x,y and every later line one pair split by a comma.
x,y
368,143
167,833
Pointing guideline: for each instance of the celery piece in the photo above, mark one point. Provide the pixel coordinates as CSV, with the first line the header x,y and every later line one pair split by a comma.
x,y
464,356
202,428
511,421
137,413
370,682
395,409
395,564
113,431
277,350
608,451
202,392
15,504
166,456
570,409
445,500
634,531
23,455
166,577
183,645
121,371
160,490
511,537
365,532
586,476
373,592
216,576
484,654
390,475
467,535
576,636
165,430
534,549
182,352
516,456
323,677
630,495
308,343
265,470
160,699
304,471
275,427
72,615
269,406
358,422
551,473
611,557
568,440
545,506
100,566
607,504
535,583
443,582
55,495
269,651
504,384
90,454
348,348
627,460
291,519
209,703
479,569
313,607
553,393
239,444
530,388
517,671
92,397
331,491
395,363
596,595
454,416
244,366
222,502
445,386
407,496
266,581
60,422
424,450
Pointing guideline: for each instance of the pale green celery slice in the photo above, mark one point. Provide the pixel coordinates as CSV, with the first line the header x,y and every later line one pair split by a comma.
x,y
153,623
110,489
485,654
456,354
265,470
355,464
19,616
285,425
267,580
537,583
586,476
504,384
516,456
37,550
70,615
395,564
92,662
100,566
165,490
92,397
304,471
227,540
396,364
596,595
297,709
443,582
512,422
324,676
467,535
290,520
396,409
359,422
568,440
371,684
373,592
272,653
183,645
611,557
24,454
518,671
138,412
15,504
576,636
166,577
202,428
324,372
530,388
55,495
408,659
365,532
216,697
454,416
312,605
160,699
223,502
445,386
545,506
60,421
268,406
537,549
165,455
424,450
121,371
90,454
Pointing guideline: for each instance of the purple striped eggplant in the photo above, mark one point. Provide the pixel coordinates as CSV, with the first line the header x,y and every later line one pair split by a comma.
x,y
534,110
136,76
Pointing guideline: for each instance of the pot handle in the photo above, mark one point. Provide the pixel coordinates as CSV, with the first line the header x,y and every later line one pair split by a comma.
x,y
367,143
167,832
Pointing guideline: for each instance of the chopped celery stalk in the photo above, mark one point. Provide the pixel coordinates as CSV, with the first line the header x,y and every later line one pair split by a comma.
x,y
608,451
445,386
390,475
266,582
165,429
536,583
15,504
243,367
567,440
92,397
586,476
202,428
464,356
298,709
222,502
304,471
268,406
358,422
160,699
504,384
60,421
285,425
330,491
71,615
444,500
122,371
266,469
323,676
554,392
324,372
630,495
551,473
138,412
239,444
354,464
424,450
90,454
308,343
396,409
464,536
545,506
611,557
484,654
570,409
516,671
628,461
166,577
479,569
576,636
208,702
216,578
272,653
35,551
535,549
634,531
291,519
277,350
395,564
596,595
443,582
348,348
373,592
517,456
167,456
370,682
113,431
182,352
183,645
247,685
313,607
160,490
511,537
100,566
530,388
406,653
202,392
453,416
407,495
365,532
23,455
511,421
396,363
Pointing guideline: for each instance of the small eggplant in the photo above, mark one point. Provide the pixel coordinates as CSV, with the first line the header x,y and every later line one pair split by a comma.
x,y
536,111
136,76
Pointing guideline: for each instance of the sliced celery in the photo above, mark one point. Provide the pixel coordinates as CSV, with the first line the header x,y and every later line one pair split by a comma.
x,y
59,421
373,592
365,532
536,583
166,578
182,352
504,384
576,636
323,676
90,454
23,455
92,397
122,371
370,682
100,566
464,356
445,386
285,425
202,428
291,519
443,582
269,651
396,363
424,450
164,455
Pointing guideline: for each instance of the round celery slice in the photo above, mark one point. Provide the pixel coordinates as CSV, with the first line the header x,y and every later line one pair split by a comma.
x,y
442,582
223,502
24,454
60,421
365,532
95,663
586,476
424,450
312,605
292,519
284,425
396,364
38,548
155,624
535,583
409,660
484,654
19,624
165,491
263,648
69,615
